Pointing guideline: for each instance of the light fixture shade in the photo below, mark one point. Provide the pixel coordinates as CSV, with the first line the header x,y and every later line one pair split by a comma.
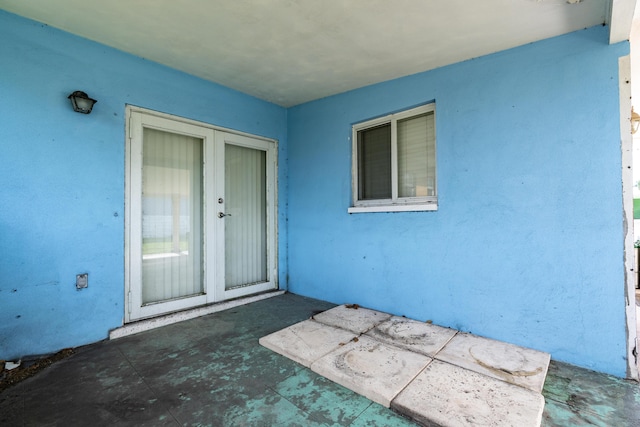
x,y
81,102
635,121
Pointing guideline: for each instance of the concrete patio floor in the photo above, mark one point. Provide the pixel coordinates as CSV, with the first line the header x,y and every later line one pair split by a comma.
x,y
212,371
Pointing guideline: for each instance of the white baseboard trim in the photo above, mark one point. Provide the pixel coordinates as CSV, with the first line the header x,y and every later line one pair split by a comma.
x,y
156,322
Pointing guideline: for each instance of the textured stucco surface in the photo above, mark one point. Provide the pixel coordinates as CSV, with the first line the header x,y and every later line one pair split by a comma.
x,y
526,247
527,244
62,176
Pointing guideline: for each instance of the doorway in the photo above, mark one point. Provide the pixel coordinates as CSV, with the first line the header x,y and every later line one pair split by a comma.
x,y
201,216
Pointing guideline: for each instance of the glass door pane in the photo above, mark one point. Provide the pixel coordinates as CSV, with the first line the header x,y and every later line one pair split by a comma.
x,y
246,222
172,216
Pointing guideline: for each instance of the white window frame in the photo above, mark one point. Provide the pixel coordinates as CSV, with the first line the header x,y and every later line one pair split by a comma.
x,y
395,204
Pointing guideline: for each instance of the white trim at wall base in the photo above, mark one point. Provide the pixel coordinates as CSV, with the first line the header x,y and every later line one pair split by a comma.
x,y
156,322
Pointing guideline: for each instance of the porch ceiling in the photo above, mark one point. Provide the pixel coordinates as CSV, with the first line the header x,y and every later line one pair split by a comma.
x,y
292,51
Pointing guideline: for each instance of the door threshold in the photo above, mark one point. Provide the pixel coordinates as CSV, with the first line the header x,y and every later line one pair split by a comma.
x,y
168,319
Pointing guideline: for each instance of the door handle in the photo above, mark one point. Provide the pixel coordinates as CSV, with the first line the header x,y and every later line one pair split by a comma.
x,y
222,214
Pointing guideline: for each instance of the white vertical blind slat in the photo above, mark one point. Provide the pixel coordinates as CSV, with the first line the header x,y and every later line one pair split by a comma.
x,y
245,228
172,216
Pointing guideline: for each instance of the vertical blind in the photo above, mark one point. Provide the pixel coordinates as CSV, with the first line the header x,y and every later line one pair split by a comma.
x,y
246,226
172,249
416,156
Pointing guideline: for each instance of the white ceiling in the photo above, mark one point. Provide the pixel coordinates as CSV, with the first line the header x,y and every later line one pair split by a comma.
x,y
292,51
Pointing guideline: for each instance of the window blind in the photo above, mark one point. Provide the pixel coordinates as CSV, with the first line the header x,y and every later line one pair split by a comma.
x,y
416,156
246,227
171,216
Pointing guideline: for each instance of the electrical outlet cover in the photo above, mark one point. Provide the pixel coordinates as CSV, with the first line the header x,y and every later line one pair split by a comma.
x,y
82,281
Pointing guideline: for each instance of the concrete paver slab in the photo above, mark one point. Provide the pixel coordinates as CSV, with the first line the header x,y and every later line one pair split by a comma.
x,y
447,395
352,318
423,338
371,368
475,380
507,362
307,341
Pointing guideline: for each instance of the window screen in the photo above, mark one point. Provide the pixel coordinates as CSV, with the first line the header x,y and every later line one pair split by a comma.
x,y
374,163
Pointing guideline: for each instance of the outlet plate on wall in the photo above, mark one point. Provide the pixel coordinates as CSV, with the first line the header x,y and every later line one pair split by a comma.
x,y
82,280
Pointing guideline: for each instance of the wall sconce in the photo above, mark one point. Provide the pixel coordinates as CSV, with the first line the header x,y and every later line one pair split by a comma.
x,y
81,102
635,121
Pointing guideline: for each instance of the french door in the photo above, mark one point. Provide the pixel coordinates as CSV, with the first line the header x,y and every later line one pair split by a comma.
x,y
201,217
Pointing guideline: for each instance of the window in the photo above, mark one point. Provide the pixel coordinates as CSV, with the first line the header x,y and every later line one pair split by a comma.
x,y
394,162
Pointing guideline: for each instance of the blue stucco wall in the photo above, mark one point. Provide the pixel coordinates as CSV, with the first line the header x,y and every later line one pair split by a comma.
x,y
62,177
527,244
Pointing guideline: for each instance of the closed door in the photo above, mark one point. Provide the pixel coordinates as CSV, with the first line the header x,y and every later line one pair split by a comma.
x,y
247,215
201,217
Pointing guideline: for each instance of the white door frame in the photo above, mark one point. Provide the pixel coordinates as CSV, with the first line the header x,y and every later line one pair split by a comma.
x,y
626,146
213,251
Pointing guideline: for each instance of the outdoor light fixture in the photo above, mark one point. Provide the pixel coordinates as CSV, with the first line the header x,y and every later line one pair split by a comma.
x,y
81,102
635,121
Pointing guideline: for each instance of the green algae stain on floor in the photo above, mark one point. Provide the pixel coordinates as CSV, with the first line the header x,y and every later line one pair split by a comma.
x,y
325,401
378,416
269,409
559,415
579,397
